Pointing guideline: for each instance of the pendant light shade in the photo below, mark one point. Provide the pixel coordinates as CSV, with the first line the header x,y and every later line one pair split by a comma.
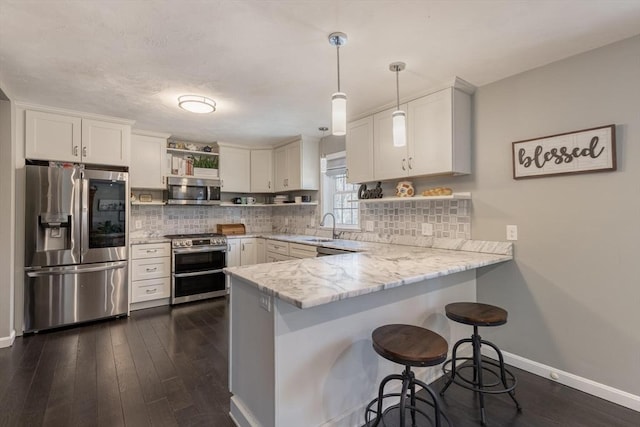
x,y
399,117
339,114
338,99
399,128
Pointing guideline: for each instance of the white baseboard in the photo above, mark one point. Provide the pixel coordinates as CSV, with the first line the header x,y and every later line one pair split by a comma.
x,y
8,341
602,391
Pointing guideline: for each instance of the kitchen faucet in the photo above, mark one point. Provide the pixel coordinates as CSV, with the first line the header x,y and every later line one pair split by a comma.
x,y
333,232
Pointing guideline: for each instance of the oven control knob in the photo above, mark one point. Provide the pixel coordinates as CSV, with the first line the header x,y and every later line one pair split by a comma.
x,y
187,243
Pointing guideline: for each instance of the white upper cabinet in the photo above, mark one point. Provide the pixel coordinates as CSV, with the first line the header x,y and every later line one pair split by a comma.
x,y
359,145
262,171
389,161
105,143
235,169
52,136
147,160
439,133
73,138
438,139
297,165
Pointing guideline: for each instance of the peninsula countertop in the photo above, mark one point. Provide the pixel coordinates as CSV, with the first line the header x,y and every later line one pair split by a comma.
x,y
311,282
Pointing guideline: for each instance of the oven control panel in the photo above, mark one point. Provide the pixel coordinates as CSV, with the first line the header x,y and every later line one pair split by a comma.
x,y
187,243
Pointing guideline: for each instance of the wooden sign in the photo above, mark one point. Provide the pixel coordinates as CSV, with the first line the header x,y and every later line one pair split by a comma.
x,y
582,151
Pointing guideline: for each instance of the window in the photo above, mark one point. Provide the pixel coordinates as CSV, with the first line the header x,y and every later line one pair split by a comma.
x,y
338,196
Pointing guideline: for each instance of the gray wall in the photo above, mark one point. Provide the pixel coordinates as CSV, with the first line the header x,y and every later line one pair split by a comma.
x,y
573,290
7,234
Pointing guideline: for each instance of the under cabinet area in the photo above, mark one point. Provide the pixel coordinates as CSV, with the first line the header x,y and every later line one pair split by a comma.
x,y
150,275
147,160
73,138
438,139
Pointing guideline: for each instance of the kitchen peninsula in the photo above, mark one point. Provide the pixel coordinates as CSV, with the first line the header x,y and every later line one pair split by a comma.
x,y
300,330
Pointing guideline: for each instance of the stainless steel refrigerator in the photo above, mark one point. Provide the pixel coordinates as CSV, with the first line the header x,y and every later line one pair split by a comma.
x,y
76,245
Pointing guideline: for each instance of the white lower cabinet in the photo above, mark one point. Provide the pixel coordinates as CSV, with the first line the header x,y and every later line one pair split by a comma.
x,y
283,251
150,272
261,253
241,251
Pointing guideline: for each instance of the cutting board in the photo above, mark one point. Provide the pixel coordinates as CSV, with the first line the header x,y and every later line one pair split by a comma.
x,y
231,229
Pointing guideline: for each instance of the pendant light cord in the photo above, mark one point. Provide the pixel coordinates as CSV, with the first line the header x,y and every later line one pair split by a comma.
x,y
338,54
397,89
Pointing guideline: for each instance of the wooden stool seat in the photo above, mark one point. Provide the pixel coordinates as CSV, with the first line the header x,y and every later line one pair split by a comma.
x,y
476,314
410,345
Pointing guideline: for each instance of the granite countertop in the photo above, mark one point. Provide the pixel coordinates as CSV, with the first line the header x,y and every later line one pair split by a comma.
x,y
315,281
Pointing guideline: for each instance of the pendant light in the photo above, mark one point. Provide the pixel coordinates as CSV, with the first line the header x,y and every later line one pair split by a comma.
x,y
399,117
338,99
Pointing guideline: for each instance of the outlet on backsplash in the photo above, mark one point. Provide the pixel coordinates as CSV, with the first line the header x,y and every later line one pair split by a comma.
x,y
368,226
312,221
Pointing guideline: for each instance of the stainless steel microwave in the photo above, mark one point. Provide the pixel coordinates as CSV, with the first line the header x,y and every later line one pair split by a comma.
x,y
193,191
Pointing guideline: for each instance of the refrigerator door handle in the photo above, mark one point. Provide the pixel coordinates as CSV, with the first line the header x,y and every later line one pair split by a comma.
x,y
76,269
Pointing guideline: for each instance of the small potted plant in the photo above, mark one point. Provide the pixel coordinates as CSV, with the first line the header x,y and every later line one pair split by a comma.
x,y
205,166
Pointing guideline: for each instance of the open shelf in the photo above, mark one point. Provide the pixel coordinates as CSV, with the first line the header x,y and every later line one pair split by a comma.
x,y
454,196
261,205
181,151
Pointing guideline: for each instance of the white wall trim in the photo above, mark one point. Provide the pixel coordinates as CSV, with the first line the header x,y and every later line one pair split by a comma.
x,y
586,385
8,341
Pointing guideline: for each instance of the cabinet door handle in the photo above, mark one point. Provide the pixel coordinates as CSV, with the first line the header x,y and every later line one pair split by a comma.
x,y
269,184
149,270
410,166
243,247
84,151
347,172
222,183
404,168
75,150
152,291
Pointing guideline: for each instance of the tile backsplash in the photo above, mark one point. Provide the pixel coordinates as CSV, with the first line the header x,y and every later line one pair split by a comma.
x,y
398,221
161,220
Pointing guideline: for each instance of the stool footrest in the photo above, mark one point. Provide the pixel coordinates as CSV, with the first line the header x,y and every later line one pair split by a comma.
x,y
462,381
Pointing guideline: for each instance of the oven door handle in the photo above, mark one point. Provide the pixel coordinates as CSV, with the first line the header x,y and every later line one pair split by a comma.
x,y
196,250
197,273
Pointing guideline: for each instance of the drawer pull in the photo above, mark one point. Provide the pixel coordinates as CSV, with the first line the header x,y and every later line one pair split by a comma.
x,y
149,270
152,291
152,251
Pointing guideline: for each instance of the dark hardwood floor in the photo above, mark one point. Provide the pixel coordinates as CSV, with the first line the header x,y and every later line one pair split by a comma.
x,y
168,367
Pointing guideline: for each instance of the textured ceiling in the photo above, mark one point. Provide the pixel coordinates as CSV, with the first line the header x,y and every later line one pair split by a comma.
x,y
268,64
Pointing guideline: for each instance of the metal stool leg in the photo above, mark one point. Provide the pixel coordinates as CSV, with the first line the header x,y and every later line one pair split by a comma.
x,y
412,391
406,379
438,414
477,372
503,373
383,383
453,364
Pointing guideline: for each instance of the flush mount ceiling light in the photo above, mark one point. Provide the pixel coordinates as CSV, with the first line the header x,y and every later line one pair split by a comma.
x,y
399,117
338,99
197,104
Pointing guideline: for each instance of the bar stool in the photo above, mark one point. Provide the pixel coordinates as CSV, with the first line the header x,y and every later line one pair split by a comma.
x,y
409,346
477,314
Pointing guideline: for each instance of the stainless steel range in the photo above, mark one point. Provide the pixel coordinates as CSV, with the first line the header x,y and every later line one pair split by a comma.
x,y
196,266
